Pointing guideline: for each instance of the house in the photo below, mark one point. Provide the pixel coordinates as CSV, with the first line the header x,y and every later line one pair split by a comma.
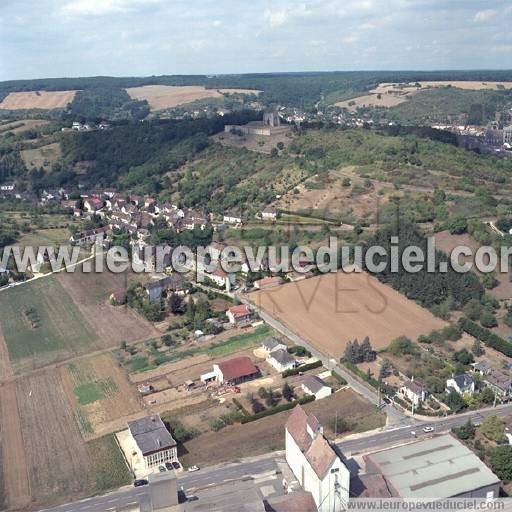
x,y
90,236
500,383
269,213
235,371
231,218
239,315
7,187
155,289
93,204
313,385
271,344
296,501
481,367
267,282
221,278
461,384
437,468
414,392
152,441
315,463
281,360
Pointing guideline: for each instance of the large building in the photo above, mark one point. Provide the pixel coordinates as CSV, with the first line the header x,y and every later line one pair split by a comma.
x,y
153,442
314,462
437,468
235,371
270,125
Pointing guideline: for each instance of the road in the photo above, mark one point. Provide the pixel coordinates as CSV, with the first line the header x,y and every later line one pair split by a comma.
x,y
252,467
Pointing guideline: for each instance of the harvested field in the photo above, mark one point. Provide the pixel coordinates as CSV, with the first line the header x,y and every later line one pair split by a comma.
x,y
90,293
468,84
55,452
267,434
99,392
15,485
167,96
46,100
373,100
41,325
334,308
43,157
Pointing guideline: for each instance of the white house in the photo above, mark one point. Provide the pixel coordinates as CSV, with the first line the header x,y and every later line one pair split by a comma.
x,y
152,441
314,462
239,314
271,344
313,385
281,360
463,384
414,392
269,213
232,218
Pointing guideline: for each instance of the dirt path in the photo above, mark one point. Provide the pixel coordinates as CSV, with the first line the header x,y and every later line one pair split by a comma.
x,y
17,486
6,371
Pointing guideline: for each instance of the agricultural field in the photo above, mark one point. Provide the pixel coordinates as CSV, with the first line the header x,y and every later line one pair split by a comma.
x,y
468,84
161,97
267,434
61,466
332,309
43,157
99,392
22,125
45,100
41,325
90,294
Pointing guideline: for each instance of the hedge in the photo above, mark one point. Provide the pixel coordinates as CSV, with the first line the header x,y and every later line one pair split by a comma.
x,y
278,408
240,407
489,338
385,388
303,368
339,378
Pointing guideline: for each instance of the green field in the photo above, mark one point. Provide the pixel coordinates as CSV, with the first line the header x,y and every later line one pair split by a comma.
x,y
109,467
54,323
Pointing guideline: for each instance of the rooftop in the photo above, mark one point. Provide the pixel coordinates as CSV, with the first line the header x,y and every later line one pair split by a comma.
x,y
441,467
240,310
282,356
313,383
237,367
150,434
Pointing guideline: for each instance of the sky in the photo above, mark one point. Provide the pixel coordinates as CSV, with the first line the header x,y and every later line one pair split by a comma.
x,y
55,38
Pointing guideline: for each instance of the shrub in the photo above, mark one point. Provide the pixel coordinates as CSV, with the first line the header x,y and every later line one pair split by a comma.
x,y
216,424
488,337
339,378
302,368
278,408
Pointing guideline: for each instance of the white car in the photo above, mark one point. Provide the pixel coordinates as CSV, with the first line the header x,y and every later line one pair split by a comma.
x,y
427,430
193,468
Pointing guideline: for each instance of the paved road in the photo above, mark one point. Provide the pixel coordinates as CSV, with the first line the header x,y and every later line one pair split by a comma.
x,y
213,475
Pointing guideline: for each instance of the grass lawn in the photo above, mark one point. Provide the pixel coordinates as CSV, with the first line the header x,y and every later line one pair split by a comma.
x,y
108,465
220,349
59,325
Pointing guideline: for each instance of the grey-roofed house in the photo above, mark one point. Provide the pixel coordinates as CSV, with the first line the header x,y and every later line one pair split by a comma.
x,y
463,384
482,367
313,385
271,344
152,441
281,360
500,383
436,468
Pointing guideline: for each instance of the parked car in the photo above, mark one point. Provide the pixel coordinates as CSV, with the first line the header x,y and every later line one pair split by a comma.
x,y
428,429
168,466
138,483
176,465
193,468
162,469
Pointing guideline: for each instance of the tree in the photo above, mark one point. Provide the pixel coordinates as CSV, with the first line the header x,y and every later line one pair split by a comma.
x,y
262,392
455,401
345,182
168,340
270,399
366,351
466,431
486,396
493,428
280,145
402,346
435,384
473,309
487,319
287,392
176,305
257,406
501,462
477,348
273,152
385,369
463,356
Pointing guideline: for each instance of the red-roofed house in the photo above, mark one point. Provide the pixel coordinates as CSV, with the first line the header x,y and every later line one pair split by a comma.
x,y
315,463
235,371
239,315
